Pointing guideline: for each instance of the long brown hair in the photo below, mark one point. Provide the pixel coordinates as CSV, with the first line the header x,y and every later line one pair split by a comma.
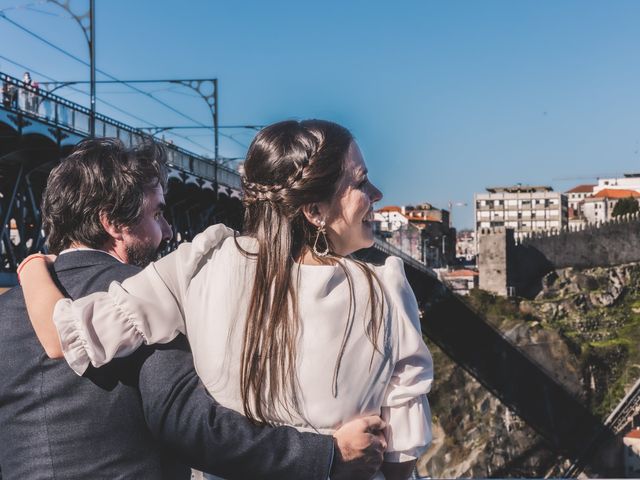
x,y
289,164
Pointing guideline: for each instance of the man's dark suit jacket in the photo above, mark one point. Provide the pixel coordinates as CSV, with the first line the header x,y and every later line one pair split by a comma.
x,y
141,417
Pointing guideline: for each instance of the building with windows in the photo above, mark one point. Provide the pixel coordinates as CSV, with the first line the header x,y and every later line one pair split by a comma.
x,y
576,197
522,208
599,207
422,231
390,218
466,246
460,281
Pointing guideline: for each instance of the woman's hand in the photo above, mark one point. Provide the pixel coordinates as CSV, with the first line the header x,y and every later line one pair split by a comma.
x,y
40,296
359,446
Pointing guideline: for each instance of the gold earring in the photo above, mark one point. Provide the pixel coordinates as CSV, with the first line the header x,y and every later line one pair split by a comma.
x,y
321,231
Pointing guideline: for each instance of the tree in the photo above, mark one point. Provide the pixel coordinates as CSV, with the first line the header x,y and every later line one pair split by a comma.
x,y
624,206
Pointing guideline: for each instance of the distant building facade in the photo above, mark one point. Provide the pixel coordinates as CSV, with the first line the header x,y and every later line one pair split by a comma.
x,y
599,207
630,181
421,231
575,198
521,208
461,281
466,246
408,239
390,218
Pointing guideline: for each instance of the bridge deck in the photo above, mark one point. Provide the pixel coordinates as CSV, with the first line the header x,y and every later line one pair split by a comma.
x,y
23,106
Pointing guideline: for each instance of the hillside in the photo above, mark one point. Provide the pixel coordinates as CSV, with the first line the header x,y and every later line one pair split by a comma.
x,y
583,329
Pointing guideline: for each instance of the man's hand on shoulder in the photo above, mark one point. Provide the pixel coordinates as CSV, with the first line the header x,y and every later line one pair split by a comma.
x,y
359,446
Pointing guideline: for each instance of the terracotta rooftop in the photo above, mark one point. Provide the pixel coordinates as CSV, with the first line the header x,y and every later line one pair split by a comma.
x,y
421,215
462,273
616,193
390,208
581,189
635,433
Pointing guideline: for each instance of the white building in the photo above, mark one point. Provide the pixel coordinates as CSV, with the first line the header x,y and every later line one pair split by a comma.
x,y
576,197
630,181
460,281
466,246
599,207
522,208
390,219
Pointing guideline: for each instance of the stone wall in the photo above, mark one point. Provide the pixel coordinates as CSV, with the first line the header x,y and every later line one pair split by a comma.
x,y
596,245
492,262
522,264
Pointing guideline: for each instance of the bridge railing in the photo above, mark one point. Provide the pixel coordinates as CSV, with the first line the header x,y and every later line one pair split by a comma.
x,y
31,101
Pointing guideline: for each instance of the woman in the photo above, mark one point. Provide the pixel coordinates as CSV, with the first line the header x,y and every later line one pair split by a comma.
x,y
284,325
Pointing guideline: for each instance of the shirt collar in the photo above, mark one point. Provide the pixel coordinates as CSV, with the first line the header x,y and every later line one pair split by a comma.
x,y
87,249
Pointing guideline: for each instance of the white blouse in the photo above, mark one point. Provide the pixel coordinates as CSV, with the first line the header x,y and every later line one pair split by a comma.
x,y
203,288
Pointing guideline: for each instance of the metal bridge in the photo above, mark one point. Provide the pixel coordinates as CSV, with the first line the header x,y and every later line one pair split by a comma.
x,y
38,129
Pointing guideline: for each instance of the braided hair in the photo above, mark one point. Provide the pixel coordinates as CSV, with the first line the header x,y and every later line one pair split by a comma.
x,y
289,165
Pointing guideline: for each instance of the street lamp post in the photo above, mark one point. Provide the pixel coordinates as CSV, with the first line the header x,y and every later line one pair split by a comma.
x,y
86,21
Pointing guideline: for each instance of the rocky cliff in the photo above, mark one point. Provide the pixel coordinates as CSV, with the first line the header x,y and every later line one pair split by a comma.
x,y
583,329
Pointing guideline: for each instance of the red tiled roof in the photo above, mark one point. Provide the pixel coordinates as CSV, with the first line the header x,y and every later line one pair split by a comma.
x,y
581,189
390,208
616,193
635,433
421,215
462,273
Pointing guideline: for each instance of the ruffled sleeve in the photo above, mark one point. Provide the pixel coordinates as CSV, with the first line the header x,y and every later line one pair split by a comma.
x,y
145,308
405,407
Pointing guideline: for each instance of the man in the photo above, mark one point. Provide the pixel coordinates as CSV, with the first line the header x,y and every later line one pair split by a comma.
x,y
147,415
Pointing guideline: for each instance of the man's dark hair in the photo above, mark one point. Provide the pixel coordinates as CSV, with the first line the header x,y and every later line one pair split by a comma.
x,y
101,176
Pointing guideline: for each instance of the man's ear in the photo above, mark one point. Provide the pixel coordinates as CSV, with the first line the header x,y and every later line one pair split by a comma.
x,y
115,232
314,213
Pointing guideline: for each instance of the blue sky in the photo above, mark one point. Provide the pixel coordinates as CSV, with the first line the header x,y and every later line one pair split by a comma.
x,y
445,97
